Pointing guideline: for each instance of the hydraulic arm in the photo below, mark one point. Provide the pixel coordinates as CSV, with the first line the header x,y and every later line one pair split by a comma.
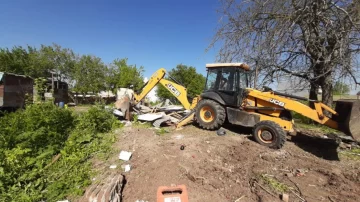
x,y
176,89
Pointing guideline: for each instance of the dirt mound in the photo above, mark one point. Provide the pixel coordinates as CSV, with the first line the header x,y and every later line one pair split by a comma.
x,y
230,168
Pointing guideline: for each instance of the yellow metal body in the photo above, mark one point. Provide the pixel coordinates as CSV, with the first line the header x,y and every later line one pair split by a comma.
x,y
257,98
177,90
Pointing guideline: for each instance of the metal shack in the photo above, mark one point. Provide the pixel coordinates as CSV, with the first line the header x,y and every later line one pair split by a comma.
x,y
14,89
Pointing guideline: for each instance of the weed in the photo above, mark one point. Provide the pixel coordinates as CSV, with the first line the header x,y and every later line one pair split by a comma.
x,y
316,127
161,131
353,154
275,184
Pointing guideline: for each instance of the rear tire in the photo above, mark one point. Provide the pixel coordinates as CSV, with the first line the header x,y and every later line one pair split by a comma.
x,y
270,134
210,115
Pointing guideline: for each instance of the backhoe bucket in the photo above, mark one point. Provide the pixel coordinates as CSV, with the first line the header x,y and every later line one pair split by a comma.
x,y
349,117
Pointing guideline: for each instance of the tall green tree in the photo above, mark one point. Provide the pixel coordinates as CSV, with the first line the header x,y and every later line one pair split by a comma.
x,y
122,75
89,74
187,77
60,62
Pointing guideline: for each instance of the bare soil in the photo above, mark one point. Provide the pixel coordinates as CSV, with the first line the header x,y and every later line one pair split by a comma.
x,y
234,167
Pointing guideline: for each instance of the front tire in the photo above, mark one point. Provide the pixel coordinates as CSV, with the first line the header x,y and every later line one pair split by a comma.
x,y
210,115
270,134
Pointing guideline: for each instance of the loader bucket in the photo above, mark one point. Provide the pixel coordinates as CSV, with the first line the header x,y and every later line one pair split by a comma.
x,y
348,117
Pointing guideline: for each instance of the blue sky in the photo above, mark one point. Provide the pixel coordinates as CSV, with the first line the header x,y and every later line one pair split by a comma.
x,y
157,33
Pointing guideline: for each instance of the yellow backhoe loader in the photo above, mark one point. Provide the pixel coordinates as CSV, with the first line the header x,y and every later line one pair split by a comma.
x,y
175,87
226,97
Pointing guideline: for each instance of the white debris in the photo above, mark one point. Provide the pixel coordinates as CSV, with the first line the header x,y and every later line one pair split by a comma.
x,y
150,117
141,201
118,112
64,201
113,166
127,168
125,155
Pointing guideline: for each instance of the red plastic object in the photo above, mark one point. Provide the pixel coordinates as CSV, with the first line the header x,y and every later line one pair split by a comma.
x,y
172,194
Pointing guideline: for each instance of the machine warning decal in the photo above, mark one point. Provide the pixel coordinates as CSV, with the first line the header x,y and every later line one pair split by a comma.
x,y
173,89
277,102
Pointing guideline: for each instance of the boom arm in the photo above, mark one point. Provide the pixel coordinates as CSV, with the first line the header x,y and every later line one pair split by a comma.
x,y
175,89
293,105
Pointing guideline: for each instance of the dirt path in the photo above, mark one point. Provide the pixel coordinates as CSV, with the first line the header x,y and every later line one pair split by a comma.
x,y
226,168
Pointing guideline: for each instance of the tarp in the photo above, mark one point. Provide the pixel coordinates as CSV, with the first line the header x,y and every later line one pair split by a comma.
x,y
1,75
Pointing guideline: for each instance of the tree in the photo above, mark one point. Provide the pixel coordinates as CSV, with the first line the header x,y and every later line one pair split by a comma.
x,y
340,88
122,75
187,77
59,61
89,74
316,41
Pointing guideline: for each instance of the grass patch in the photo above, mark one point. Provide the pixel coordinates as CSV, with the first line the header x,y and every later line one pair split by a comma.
x,y
161,131
353,154
316,127
274,183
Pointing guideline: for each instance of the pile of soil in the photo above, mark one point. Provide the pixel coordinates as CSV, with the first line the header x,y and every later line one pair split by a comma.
x,y
233,167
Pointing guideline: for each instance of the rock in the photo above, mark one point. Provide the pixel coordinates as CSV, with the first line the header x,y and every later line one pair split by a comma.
x,y
289,175
285,197
221,132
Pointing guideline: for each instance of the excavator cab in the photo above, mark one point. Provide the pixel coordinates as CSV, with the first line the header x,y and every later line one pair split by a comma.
x,y
226,83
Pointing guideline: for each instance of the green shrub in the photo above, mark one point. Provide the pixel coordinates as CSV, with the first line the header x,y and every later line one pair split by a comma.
x,y
30,139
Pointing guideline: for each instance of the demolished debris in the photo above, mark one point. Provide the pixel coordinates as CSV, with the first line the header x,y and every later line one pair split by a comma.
x,y
125,155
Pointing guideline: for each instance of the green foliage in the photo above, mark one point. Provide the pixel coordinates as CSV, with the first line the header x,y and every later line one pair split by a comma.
x,y
275,184
89,74
30,139
188,77
123,75
161,131
340,88
40,88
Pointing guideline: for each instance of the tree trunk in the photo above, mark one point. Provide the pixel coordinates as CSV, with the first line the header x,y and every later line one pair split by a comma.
x,y
327,94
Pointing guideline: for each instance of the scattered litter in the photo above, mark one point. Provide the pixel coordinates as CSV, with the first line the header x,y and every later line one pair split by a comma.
x,y
285,197
127,168
64,201
124,155
113,166
237,200
179,137
182,147
301,172
221,132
